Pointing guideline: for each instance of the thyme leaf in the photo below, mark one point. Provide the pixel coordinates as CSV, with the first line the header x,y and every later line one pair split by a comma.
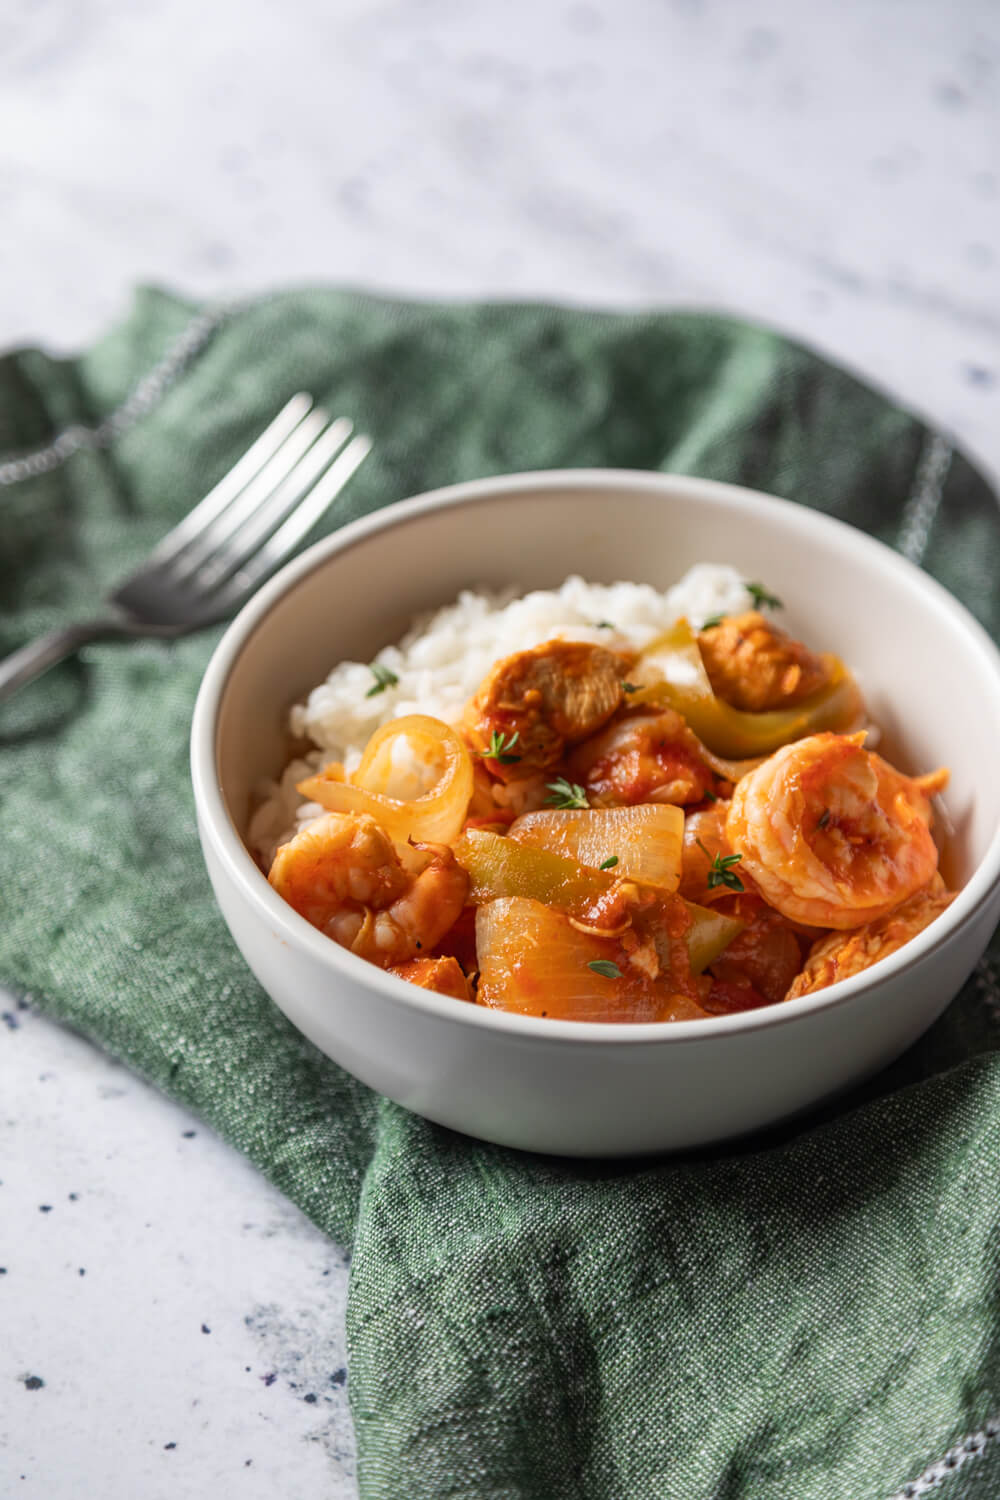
x,y
721,872
384,677
605,967
762,599
565,794
609,863
500,746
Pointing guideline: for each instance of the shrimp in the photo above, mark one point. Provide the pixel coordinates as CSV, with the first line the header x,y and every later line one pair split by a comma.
x,y
345,876
644,758
831,834
754,666
841,954
539,701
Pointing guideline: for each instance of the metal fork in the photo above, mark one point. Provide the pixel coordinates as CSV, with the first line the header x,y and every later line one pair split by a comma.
x,y
213,560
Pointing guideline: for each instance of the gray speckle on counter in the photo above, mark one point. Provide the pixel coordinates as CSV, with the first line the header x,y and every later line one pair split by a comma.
x,y
296,1354
621,154
105,1306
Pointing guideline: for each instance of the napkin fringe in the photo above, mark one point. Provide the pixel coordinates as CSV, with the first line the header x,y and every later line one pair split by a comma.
x,y
143,397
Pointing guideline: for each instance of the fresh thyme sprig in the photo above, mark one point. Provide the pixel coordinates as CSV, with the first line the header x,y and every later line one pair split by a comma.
x,y
500,746
384,677
720,871
565,794
762,599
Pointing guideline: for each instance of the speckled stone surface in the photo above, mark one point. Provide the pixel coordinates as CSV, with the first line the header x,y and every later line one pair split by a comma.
x,y
833,169
171,1326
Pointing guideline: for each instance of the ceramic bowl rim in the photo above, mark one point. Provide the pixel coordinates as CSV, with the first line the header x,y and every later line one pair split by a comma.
x,y
218,826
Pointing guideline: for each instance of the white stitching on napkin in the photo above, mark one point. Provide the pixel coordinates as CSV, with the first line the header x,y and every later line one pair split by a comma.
x,y
968,1448
988,985
140,400
925,497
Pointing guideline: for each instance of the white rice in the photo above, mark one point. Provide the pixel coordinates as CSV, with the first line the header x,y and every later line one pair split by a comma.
x,y
441,661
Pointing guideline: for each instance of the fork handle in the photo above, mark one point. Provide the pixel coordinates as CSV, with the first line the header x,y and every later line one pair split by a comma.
x,y
29,662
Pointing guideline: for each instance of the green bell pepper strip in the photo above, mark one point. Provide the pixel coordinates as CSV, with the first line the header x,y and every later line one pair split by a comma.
x,y
499,866
709,935
677,679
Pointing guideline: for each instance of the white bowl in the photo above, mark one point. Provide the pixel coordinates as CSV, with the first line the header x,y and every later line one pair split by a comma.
x,y
932,680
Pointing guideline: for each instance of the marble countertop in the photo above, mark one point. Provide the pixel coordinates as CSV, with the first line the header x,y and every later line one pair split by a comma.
x,y
171,1325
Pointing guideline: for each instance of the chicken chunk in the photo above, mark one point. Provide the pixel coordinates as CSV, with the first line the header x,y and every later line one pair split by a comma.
x,y
548,698
444,975
766,955
644,758
752,665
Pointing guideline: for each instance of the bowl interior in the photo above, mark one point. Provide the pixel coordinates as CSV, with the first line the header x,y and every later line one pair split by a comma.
x,y
929,675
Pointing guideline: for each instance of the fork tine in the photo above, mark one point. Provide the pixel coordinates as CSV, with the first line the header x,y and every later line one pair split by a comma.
x,y
233,481
302,519
314,504
247,538
210,539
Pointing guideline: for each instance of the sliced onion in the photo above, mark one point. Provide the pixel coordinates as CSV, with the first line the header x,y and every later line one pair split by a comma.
x,y
532,960
646,839
731,770
435,816
593,900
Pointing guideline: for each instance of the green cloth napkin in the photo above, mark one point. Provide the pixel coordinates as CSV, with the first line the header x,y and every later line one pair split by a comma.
x,y
812,1315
